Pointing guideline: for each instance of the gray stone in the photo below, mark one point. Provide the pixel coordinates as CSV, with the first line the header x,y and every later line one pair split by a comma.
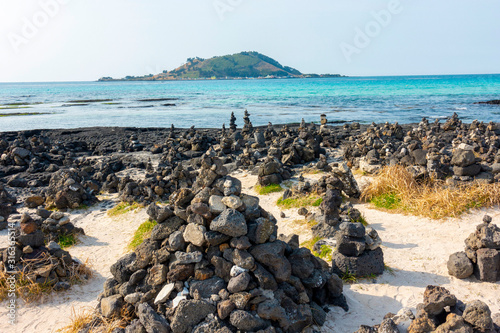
x,y
110,306
353,229
370,262
246,322
157,275
194,234
165,229
190,313
183,258
436,299
35,239
265,278
350,246
388,326
216,205
230,222
176,241
208,287
261,230
232,201
488,265
272,310
463,158
478,314
271,255
152,321
239,283
471,170
460,266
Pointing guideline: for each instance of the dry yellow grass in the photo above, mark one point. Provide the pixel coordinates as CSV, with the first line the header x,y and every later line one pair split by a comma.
x,y
89,319
395,189
26,287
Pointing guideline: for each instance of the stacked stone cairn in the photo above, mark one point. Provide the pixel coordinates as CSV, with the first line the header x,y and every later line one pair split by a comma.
x,y
358,251
441,312
67,189
272,171
214,263
40,263
481,256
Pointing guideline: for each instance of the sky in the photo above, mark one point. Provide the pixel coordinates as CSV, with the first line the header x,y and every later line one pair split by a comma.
x,y
83,40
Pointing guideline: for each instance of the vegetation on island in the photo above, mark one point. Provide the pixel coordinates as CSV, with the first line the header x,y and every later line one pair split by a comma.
x,y
235,66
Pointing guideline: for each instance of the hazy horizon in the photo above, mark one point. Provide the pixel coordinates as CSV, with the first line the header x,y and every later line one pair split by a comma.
x,y
73,40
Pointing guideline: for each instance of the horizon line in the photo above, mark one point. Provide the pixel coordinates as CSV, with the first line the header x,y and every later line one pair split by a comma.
x,y
342,76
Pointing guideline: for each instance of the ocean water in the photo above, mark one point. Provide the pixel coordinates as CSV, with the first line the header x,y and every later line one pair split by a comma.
x,y
209,103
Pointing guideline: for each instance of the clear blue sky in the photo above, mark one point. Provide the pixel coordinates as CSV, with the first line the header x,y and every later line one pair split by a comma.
x,y
87,39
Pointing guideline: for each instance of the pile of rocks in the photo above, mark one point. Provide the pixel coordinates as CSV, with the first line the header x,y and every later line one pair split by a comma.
x,y
55,224
441,312
215,263
46,265
358,251
464,151
68,189
272,171
481,256
7,203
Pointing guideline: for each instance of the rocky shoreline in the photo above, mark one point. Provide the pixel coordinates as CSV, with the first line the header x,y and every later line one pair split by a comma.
x,y
210,234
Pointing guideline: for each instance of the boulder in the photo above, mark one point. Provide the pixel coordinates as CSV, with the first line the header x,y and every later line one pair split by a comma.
x,y
460,266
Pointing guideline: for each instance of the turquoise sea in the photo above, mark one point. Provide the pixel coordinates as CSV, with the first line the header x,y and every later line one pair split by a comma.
x,y
209,103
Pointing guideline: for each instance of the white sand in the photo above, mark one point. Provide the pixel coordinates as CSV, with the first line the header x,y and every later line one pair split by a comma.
x,y
416,248
105,242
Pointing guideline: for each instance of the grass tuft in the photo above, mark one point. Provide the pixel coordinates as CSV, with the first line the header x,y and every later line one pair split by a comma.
x,y
143,232
310,243
263,190
124,207
362,220
386,201
305,223
89,320
67,240
349,277
395,189
304,201
325,253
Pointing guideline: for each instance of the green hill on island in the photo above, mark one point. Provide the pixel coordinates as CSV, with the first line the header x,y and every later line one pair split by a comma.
x,y
239,65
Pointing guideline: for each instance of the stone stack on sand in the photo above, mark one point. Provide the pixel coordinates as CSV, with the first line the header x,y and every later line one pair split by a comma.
x,y
214,263
67,189
441,312
358,251
481,256
46,265
272,171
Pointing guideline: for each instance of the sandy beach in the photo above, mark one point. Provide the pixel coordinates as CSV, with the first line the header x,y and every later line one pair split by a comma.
x,y
415,249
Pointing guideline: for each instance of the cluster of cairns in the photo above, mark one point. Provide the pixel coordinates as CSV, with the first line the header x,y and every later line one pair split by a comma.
x,y
215,263
44,264
459,151
481,256
440,312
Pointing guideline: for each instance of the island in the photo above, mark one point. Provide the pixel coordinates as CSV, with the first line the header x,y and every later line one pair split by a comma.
x,y
243,65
